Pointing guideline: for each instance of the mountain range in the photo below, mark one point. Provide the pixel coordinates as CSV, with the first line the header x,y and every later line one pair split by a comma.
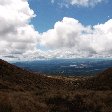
x,y
24,91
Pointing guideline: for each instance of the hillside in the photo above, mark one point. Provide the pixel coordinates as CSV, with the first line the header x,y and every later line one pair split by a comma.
x,y
102,81
14,77
24,91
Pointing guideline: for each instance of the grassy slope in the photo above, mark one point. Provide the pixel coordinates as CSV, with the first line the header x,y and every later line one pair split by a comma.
x,y
23,91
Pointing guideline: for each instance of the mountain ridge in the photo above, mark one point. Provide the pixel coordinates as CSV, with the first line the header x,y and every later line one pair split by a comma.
x,y
22,90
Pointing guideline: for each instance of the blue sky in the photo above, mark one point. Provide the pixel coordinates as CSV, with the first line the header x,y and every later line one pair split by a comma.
x,y
61,29
48,14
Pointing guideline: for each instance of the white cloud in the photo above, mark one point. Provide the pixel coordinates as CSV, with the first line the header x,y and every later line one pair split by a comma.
x,y
85,3
16,35
72,39
68,39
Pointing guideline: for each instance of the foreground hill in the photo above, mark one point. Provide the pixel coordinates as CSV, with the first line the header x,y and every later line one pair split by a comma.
x,y
16,78
102,81
24,91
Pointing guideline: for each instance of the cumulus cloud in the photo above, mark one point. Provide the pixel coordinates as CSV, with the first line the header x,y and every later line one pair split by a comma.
x,y
73,39
68,39
84,3
16,35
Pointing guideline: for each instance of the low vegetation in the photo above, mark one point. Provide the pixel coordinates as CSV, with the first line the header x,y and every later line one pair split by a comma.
x,y
23,91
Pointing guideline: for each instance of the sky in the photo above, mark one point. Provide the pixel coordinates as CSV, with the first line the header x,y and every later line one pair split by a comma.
x,y
49,13
48,29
